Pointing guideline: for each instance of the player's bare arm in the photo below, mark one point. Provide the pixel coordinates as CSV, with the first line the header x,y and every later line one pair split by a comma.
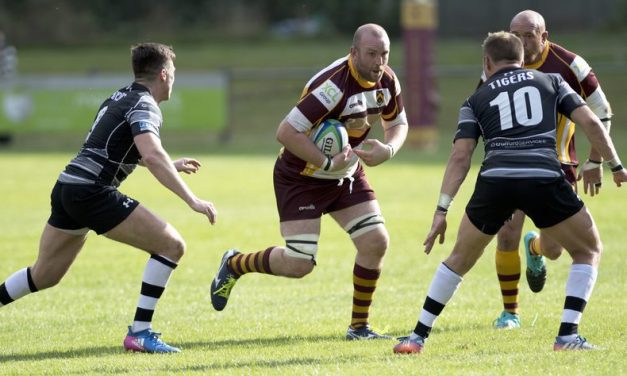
x,y
157,160
299,144
600,140
377,152
456,170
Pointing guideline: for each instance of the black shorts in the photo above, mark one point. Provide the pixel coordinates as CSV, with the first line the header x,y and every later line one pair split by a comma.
x,y
99,208
546,201
304,197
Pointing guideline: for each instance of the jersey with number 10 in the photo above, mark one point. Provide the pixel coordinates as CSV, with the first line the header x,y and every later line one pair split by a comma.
x,y
515,111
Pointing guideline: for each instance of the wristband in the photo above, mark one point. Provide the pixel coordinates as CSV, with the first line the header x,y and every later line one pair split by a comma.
x,y
617,168
391,148
328,164
441,209
612,163
590,165
444,202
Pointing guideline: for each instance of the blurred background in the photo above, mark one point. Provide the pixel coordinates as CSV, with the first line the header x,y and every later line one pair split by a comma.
x,y
241,64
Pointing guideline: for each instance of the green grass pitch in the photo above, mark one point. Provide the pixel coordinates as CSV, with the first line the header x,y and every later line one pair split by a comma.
x,y
280,326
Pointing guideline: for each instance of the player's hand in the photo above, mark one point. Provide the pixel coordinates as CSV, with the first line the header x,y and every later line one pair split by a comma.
x,y
438,227
342,159
187,165
206,208
373,152
592,176
620,177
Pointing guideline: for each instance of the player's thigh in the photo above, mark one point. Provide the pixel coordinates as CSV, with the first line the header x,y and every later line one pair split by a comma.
x,y
344,216
550,247
57,251
469,246
145,230
578,234
300,227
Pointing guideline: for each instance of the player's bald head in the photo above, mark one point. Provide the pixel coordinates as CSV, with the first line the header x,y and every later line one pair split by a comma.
x,y
528,19
369,30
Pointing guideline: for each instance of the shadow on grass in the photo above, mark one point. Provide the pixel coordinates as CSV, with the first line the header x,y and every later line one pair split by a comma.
x,y
103,351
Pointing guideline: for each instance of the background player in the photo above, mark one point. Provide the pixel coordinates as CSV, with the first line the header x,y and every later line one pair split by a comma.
x,y
548,57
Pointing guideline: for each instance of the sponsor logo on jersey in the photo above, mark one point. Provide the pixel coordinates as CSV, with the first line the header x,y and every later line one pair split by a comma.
x,y
328,94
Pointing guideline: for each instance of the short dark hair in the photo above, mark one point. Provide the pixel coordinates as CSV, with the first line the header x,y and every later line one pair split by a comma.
x,y
503,46
149,58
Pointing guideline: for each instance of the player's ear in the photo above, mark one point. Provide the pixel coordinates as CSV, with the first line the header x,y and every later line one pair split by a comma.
x,y
487,65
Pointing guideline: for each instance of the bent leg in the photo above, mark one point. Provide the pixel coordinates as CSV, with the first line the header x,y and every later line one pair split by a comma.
x,y
468,247
146,231
578,234
547,246
57,252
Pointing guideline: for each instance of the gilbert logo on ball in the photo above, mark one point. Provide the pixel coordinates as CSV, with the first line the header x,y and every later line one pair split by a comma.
x,y
330,136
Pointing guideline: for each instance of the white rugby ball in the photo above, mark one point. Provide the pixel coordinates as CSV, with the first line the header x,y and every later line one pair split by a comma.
x,y
330,137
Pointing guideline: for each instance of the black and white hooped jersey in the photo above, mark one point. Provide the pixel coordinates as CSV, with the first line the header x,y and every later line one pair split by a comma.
x,y
515,112
109,153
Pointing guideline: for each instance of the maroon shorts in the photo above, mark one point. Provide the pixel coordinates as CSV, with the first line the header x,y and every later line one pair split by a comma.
x,y
303,197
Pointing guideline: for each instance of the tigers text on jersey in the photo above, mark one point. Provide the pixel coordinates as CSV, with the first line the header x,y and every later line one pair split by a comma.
x,y
514,111
337,92
109,153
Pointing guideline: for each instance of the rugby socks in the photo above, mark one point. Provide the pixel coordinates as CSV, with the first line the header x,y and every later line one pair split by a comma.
x,y
364,284
579,287
443,286
16,286
256,262
508,272
534,246
156,276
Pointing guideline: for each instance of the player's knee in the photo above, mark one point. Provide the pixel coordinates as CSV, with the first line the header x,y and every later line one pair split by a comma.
x,y
44,278
369,234
375,243
299,268
175,249
300,254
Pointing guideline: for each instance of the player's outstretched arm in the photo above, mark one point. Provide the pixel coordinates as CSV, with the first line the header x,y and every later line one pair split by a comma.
x,y
600,140
456,171
158,162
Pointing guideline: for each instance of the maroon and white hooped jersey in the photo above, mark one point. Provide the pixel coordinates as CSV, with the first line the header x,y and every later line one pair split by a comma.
x,y
338,92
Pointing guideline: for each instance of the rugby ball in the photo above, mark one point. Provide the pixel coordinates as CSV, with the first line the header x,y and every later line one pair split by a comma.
x,y
330,137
